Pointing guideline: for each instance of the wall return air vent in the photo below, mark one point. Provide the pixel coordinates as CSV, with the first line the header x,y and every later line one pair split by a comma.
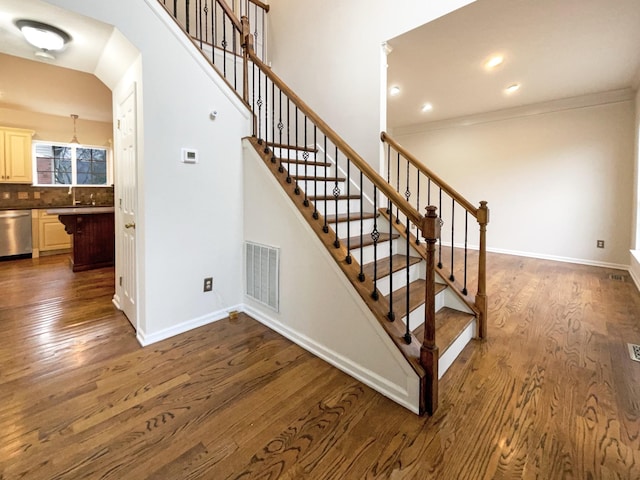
x,y
262,264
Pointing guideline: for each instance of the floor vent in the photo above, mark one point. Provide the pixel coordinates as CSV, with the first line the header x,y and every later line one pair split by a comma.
x,y
617,277
634,352
262,265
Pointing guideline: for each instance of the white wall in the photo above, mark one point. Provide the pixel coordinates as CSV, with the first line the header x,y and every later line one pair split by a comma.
x,y
329,52
189,216
555,182
636,203
635,244
317,298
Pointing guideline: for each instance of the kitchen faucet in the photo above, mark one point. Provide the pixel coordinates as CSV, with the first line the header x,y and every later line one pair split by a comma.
x,y
72,191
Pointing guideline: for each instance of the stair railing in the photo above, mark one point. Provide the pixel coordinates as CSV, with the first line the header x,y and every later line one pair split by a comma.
x,y
283,120
412,178
215,28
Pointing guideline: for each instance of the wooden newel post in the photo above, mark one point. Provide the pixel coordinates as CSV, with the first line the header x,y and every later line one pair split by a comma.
x,y
481,296
429,351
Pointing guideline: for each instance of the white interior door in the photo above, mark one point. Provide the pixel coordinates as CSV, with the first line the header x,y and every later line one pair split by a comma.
x,y
126,203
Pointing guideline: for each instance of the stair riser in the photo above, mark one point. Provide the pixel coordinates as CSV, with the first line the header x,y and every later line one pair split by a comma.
x,y
318,186
368,252
354,227
416,317
294,154
399,279
354,206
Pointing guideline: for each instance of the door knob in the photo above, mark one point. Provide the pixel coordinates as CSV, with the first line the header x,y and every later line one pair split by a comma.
x,y
129,225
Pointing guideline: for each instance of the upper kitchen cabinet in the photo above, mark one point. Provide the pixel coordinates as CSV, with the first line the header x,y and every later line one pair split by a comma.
x,y
15,155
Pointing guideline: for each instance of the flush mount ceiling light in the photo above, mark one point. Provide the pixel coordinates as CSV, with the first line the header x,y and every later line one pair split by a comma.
x,y
493,62
427,107
394,91
43,36
513,88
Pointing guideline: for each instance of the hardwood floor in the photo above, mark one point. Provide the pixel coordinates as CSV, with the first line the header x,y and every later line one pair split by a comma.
x,y
552,394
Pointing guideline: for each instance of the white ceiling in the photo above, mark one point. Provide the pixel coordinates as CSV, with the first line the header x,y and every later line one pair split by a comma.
x,y
83,53
554,48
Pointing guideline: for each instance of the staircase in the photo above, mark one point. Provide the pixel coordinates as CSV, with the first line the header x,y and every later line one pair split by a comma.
x,y
415,284
395,260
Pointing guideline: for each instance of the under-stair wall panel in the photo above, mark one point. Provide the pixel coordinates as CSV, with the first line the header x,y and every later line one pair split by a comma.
x,y
319,309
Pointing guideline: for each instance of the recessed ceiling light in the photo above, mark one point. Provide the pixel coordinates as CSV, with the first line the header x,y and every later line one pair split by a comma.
x,y
43,36
394,91
493,62
512,88
427,107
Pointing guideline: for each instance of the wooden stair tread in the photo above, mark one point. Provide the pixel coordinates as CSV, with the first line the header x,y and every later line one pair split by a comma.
x,y
449,324
399,262
318,178
416,297
308,163
343,217
354,242
331,197
284,146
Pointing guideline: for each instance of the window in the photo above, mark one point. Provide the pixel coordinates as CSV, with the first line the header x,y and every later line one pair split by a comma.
x,y
70,164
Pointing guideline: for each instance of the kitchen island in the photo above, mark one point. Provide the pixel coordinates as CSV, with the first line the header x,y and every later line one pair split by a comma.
x,y
92,228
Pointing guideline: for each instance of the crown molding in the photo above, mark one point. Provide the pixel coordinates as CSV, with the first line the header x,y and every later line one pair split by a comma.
x,y
571,103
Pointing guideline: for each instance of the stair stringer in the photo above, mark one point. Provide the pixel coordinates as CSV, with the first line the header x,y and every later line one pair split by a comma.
x,y
320,310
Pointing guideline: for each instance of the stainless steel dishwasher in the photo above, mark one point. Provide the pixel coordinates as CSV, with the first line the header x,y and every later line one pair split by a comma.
x,y
15,232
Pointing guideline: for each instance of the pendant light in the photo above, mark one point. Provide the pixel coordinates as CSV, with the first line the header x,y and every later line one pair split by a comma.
x,y
75,137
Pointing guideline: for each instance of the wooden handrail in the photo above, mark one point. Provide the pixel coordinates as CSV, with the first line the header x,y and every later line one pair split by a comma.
x,y
231,14
263,6
398,200
435,178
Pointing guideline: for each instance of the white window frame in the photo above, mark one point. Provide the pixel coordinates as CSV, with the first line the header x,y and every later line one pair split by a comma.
x,y
74,167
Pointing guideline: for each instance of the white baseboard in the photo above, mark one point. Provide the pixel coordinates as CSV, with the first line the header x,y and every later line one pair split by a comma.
x,y
116,301
634,268
394,392
542,256
147,339
557,258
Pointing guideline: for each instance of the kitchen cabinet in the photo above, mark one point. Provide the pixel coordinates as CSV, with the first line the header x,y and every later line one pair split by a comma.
x,y
15,155
51,233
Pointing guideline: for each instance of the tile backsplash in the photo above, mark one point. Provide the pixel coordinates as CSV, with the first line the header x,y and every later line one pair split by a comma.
x,y
29,196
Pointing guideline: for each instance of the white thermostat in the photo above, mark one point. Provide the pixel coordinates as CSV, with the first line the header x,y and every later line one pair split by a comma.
x,y
189,155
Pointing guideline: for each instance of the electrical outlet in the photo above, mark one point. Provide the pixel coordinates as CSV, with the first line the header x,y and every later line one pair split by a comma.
x,y
6,195
600,244
208,284
23,195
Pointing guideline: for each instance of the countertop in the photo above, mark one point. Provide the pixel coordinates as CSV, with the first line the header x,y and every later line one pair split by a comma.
x,y
85,210
55,207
